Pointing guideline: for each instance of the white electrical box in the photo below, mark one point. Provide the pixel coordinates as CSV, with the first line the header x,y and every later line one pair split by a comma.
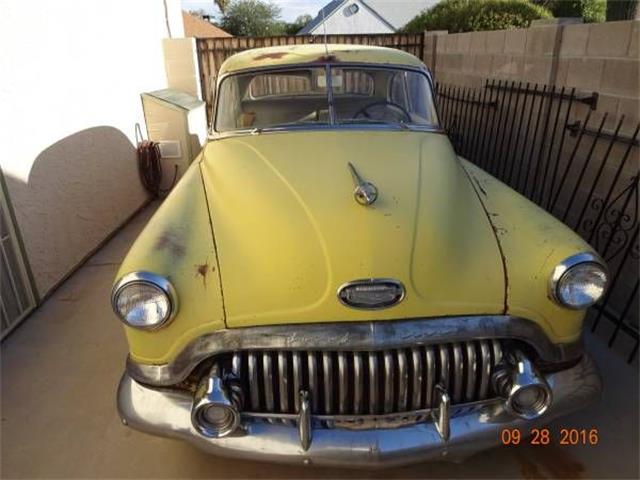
x,y
178,122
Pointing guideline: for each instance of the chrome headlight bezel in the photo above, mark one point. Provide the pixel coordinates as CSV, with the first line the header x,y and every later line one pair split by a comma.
x,y
154,280
565,266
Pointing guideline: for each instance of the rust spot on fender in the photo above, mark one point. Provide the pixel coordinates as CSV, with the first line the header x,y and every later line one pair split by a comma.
x,y
202,271
270,56
170,242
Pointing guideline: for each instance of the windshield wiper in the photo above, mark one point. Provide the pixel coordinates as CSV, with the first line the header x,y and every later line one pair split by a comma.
x,y
259,130
351,121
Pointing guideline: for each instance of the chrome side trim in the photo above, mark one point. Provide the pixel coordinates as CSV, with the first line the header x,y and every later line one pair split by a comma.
x,y
359,336
566,264
167,412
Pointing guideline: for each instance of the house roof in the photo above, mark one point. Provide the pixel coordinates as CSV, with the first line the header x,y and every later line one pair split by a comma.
x,y
396,13
199,28
324,12
316,54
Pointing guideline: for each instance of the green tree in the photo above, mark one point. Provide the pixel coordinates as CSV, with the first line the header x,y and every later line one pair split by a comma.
x,y
222,5
476,15
589,10
252,18
296,26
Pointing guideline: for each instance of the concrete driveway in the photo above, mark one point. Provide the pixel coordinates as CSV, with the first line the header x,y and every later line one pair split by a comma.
x,y
60,370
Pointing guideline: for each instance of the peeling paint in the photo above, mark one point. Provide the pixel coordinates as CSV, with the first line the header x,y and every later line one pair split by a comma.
x,y
326,59
271,56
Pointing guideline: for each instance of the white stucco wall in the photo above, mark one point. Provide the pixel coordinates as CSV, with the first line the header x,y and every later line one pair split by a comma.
x,y
364,21
71,74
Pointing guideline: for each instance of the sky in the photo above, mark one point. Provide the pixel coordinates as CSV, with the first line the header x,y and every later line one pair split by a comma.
x,y
290,8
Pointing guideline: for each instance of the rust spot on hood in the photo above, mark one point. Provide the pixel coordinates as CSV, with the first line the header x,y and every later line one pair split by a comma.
x,y
170,242
270,56
202,271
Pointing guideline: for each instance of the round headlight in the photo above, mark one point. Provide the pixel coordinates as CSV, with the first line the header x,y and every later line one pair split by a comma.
x,y
579,281
144,300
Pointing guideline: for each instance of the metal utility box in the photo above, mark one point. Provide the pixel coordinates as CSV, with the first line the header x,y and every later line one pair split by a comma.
x,y
178,122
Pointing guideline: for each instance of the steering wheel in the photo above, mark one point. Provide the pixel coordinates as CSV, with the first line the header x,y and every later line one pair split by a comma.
x,y
398,108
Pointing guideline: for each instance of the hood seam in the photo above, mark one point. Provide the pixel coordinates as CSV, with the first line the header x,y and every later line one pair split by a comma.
x,y
495,234
215,246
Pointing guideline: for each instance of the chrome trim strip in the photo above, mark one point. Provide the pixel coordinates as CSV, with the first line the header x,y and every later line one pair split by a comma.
x,y
430,362
327,373
444,366
283,381
416,399
472,371
362,336
358,382
268,382
297,379
373,386
253,381
389,380
149,278
167,412
343,382
458,373
313,381
485,372
403,381
566,264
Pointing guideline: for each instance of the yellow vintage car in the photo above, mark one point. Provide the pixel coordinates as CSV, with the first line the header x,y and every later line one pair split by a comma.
x,y
330,284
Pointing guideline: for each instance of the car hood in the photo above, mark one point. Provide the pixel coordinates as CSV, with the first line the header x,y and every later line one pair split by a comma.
x,y
289,233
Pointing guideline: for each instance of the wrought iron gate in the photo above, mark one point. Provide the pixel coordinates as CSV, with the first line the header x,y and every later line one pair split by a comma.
x,y
551,145
17,297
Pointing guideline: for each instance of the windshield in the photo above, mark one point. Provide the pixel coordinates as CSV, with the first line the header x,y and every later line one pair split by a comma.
x,y
301,96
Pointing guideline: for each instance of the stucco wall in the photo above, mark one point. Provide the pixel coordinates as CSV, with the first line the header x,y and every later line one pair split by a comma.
x,y
71,77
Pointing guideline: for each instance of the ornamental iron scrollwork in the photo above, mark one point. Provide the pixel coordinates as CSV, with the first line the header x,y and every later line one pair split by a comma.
x,y
616,222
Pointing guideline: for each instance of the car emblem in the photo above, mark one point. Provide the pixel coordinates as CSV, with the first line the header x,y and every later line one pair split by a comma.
x,y
365,193
372,293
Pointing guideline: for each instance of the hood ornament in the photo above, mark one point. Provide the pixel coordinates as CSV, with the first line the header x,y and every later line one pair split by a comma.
x,y
365,193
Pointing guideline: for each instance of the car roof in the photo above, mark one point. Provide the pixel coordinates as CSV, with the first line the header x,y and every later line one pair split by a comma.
x,y
317,53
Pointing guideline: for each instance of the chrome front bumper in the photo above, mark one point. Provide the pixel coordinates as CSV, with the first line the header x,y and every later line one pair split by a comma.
x,y
168,413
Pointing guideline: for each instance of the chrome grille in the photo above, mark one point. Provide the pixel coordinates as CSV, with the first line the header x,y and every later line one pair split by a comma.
x,y
359,383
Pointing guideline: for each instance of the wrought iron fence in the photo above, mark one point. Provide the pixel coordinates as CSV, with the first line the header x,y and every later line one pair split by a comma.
x,y
551,145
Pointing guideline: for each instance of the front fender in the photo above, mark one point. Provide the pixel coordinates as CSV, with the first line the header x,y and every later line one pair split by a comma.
x,y
177,243
533,242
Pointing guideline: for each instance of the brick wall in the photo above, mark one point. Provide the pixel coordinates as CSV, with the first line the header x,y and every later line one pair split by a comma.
x,y
601,57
